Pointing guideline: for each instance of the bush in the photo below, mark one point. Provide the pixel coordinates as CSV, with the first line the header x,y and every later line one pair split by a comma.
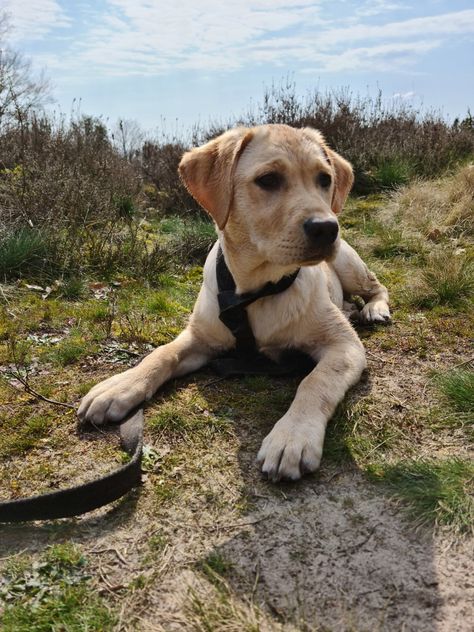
x,y
388,142
72,201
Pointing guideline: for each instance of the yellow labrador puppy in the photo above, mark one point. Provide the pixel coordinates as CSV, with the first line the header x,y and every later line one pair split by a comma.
x,y
274,193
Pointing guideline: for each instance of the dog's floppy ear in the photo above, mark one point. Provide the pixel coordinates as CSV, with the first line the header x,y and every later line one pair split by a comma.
x,y
208,171
344,179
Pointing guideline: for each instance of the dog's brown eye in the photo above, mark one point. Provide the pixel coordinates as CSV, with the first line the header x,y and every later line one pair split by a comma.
x,y
269,181
324,180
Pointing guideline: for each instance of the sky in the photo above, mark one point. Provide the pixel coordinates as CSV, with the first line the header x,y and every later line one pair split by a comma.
x,y
174,63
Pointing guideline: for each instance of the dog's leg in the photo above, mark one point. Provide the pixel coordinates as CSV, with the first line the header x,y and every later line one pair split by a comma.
x,y
295,444
356,278
113,398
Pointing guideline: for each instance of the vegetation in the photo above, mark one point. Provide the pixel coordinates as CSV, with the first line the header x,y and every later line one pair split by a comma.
x,y
54,594
457,386
115,199
435,492
101,254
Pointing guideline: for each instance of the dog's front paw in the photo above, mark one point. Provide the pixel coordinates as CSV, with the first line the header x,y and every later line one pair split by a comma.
x,y
113,398
376,312
291,449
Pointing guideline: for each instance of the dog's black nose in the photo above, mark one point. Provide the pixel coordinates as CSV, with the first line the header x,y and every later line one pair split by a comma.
x,y
321,233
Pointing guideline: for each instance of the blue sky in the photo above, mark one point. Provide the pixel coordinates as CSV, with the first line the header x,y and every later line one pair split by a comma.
x,y
195,60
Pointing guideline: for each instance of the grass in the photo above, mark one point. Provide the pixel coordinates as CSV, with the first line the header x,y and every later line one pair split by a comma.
x,y
217,610
441,209
390,174
434,492
446,279
215,566
457,386
22,250
69,351
186,416
200,479
23,433
54,593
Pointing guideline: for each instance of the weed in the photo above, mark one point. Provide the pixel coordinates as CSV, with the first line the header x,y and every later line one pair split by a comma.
x,y
124,206
357,433
220,611
434,492
170,419
157,542
215,566
392,173
73,288
160,303
392,242
52,594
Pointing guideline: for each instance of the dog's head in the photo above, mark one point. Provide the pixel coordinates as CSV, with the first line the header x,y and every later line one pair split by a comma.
x,y
274,186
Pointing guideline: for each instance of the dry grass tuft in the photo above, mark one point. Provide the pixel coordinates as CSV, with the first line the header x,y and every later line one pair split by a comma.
x,y
441,208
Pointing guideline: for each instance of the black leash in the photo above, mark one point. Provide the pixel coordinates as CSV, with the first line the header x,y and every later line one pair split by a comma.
x,y
245,358
82,498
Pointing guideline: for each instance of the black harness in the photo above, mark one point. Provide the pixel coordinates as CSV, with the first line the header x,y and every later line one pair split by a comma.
x,y
245,358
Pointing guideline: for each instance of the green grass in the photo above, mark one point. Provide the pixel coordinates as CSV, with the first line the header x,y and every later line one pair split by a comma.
x,y
355,434
73,288
22,433
447,279
215,565
392,173
161,304
457,386
52,594
22,251
434,492
178,418
393,243
69,351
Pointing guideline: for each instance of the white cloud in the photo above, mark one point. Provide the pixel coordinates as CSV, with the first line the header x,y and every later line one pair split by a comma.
x,y
33,19
445,24
376,7
404,96
149,37
384,57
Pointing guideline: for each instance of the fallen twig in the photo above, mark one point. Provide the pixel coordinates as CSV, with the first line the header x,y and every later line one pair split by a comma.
x,y
31,391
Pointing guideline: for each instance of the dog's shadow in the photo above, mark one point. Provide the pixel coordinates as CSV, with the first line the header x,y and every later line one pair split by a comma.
x,y
327,552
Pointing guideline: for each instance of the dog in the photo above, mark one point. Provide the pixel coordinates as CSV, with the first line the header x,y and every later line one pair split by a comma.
x,y
274,193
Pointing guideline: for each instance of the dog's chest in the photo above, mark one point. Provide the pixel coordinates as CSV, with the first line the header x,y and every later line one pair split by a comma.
x,y
285,319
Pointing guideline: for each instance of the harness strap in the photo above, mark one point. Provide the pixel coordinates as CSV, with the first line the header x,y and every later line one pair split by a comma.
x,y
245,358
82,498
233,312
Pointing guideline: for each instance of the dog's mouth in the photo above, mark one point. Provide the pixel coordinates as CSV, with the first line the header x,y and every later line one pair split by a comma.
x,y
314,256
